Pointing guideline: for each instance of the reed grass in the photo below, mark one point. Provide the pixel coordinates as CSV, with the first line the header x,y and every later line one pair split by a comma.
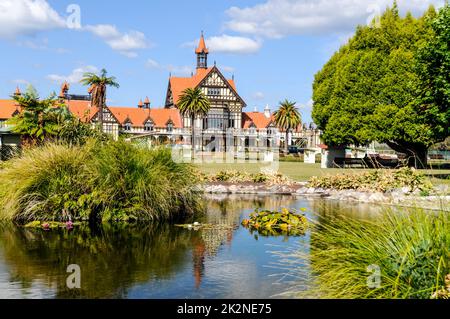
x,y
412,251
101,181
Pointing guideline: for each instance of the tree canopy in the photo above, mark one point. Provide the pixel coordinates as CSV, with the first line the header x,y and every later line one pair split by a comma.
x,y
368,90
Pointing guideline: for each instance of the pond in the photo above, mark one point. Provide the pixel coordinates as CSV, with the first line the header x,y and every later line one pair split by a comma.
x,y
164,261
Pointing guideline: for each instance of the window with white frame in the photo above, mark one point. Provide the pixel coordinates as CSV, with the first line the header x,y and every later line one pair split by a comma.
x,y
213,91
127,126
149,126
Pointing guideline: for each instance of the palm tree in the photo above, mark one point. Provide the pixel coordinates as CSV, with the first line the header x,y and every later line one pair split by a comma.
x,y
192,103
287,118
98,85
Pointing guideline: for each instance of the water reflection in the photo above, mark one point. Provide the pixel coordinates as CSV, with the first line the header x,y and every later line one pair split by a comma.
x,y
153,261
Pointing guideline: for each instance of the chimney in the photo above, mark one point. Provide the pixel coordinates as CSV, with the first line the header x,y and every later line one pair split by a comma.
x,y
267,111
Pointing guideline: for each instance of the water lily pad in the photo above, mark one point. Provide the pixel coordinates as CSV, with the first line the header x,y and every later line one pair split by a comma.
x,y
273,223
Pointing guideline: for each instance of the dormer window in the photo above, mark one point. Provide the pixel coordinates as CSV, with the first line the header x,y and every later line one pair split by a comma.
x,y
149,126
253,128
128,126
170,127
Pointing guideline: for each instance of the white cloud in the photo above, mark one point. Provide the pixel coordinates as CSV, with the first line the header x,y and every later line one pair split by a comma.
x,y
20,81
228,44
279,18
233,44
30,17
258,95
227,68
125,43
74,77
27,17
180,70
152,64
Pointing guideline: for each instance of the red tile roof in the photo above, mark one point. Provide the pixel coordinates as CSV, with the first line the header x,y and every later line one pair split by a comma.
x,y
85,112
138,117
81,109
7,109
178,84
256,118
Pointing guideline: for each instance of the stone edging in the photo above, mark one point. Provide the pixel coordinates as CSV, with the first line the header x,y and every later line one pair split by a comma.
x,y
398,197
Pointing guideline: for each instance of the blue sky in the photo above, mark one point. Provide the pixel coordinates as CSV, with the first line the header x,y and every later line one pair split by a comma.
x,y
273,47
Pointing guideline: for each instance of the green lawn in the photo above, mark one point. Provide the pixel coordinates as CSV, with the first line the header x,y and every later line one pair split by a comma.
x,y
301,171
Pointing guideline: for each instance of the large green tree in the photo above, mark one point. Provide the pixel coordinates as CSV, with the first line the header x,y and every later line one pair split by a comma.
x,y
287,118
193,103
98,85
434,72
368,89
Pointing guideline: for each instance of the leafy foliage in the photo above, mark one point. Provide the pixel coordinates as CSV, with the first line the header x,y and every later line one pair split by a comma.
x,y
49,120
434,72
375,180
368,90
38,120
268,223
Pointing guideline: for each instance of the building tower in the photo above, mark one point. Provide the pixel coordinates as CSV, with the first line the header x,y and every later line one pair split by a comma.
x,y
202,54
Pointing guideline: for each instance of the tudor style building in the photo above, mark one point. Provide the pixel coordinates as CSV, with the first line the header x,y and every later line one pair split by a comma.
x,y
167,124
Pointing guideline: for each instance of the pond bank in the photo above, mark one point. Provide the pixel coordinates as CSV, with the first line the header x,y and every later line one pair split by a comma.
x,y
396,197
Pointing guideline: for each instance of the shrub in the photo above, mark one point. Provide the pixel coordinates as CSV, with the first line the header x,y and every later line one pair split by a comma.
x,y
108,181
375,180
243,177
411,250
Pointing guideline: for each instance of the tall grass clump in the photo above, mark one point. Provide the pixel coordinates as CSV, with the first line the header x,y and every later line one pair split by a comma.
x,y
411,250
142,184
98,181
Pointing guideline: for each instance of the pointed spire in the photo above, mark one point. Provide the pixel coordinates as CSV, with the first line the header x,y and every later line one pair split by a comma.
x,y
201,45
17,92
64,89
140,104
147,102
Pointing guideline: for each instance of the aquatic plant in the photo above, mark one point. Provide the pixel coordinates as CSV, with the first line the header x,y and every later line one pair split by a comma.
x,y
272,223
399,255
102,181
